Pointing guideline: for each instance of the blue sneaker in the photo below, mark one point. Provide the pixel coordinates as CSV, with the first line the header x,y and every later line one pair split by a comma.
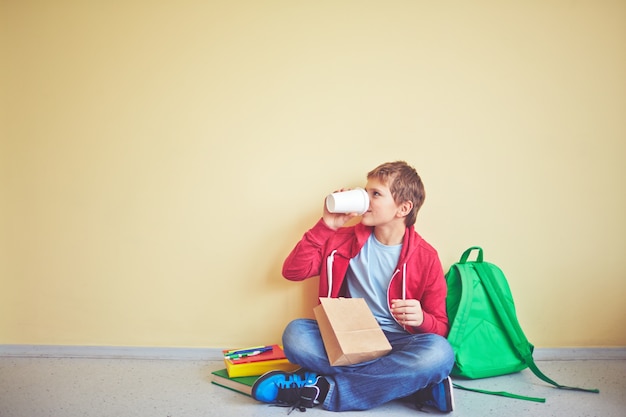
x,y
288,389
438,396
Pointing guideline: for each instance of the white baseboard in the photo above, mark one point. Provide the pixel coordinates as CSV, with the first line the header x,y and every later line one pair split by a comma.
x,y
110,352
573,354
215,354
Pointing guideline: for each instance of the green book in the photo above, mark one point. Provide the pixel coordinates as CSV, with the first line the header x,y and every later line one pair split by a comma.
x,y
241,384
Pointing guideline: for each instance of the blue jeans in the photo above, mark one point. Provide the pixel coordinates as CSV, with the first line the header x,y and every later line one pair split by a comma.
x,y
416,361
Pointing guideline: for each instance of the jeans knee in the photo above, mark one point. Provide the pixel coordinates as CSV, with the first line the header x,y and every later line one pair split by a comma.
x,y
443,347
296,332
293,331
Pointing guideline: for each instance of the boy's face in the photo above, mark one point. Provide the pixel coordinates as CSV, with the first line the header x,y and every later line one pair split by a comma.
x,y
383,209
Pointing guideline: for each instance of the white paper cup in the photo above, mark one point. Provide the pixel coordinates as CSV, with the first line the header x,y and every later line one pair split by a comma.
x,y
351,201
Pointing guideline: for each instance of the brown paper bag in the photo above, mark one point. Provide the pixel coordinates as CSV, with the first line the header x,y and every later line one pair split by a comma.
x,y
350,332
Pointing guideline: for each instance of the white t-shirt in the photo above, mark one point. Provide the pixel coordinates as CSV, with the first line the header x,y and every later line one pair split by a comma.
x,y
369,275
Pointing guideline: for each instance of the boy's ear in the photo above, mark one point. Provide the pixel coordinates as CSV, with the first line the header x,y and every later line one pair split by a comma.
x,y
405,208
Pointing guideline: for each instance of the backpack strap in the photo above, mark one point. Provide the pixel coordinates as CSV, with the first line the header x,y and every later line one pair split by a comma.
x,y
459,324
501,394
509,321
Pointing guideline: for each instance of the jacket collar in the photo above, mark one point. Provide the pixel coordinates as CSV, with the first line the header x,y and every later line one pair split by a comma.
x,y
411,239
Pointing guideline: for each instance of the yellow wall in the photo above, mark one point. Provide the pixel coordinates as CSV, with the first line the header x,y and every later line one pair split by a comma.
x,y
161,158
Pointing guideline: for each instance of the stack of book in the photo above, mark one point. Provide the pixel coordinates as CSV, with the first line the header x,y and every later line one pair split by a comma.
x,y
244,366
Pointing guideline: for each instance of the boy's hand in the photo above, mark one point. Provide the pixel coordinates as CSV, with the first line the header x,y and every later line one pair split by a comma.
x,y
336,220
408,312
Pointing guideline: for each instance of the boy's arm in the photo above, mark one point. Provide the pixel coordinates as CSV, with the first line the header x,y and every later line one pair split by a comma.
x,y
305,260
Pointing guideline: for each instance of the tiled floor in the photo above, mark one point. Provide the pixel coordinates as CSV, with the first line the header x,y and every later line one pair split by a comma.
x,y
59,387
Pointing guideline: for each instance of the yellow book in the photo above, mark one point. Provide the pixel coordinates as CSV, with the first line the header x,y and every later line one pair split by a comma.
x,y
257,361
258,368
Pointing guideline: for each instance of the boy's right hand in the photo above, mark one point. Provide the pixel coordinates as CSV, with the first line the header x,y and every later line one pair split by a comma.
x,y
336,220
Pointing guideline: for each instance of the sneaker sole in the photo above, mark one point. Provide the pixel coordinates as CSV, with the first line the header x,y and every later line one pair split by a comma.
x,y
451,394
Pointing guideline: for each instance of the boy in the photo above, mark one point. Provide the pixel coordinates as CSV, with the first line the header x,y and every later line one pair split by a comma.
x,y
383,260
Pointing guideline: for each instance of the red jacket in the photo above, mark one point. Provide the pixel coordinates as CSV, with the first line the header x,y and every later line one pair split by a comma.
x,y
419,275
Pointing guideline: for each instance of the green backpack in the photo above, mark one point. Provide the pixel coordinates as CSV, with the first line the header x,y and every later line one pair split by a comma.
x,y
484,331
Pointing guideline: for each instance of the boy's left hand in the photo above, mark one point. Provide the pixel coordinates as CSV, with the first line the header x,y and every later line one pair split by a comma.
x,y
408,312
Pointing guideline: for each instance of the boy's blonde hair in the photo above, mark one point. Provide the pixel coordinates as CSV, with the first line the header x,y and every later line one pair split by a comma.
x,y
404,183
